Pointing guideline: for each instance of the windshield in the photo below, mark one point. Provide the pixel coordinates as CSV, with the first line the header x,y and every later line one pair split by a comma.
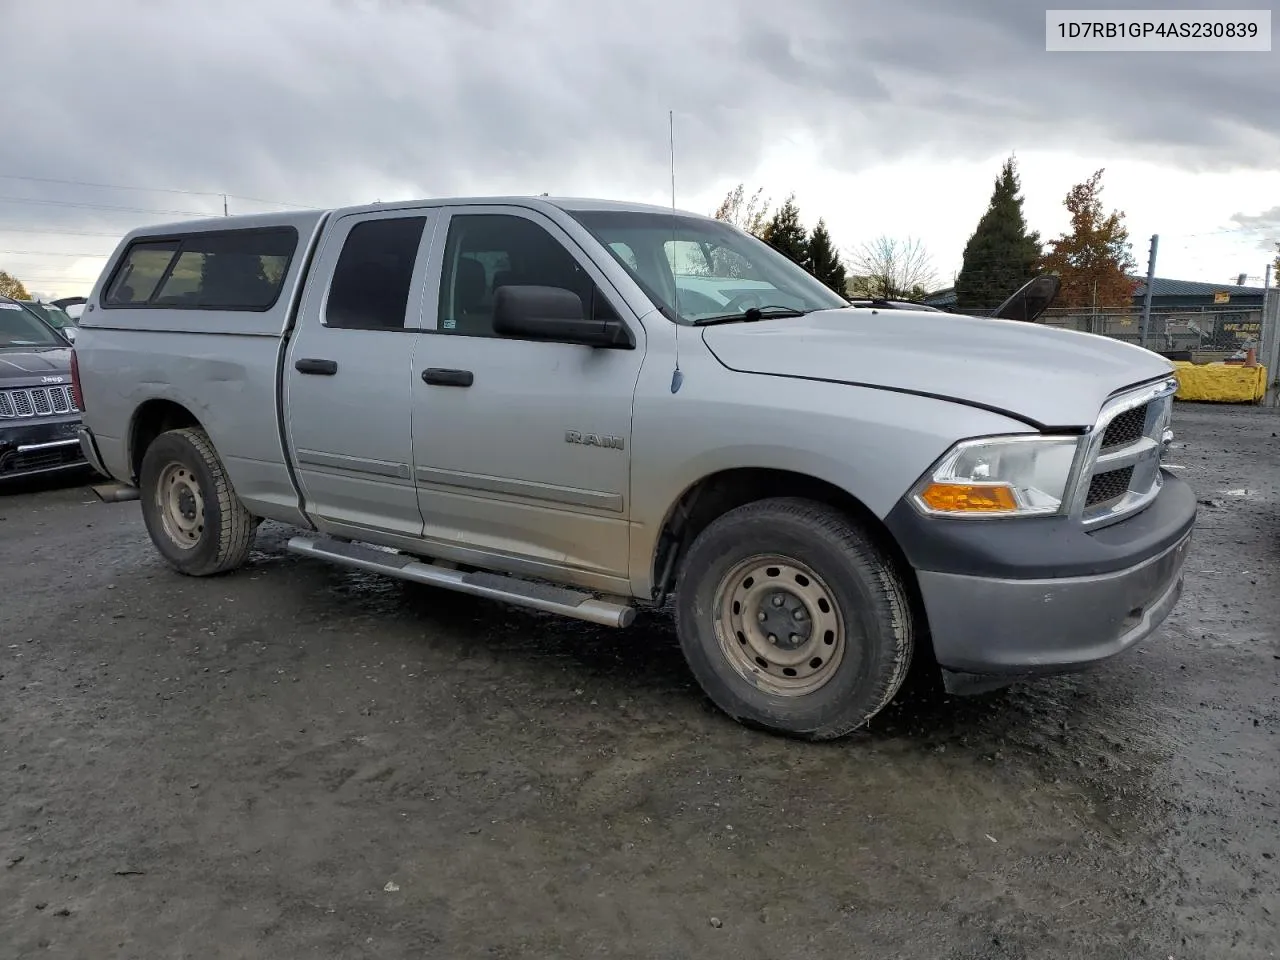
x,y
54,316
20,328
696,269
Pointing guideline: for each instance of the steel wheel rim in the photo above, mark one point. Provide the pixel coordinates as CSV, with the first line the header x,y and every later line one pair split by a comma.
x,y
772,596
180,505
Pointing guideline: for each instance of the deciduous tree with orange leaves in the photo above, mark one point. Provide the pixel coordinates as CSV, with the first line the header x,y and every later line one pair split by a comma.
x,y
1095,259
11,286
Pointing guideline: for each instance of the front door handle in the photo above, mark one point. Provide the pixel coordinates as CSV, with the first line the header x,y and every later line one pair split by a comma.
x,y
323,368
439,377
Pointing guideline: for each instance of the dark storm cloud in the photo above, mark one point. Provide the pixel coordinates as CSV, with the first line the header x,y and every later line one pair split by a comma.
x,y
317,102
969,75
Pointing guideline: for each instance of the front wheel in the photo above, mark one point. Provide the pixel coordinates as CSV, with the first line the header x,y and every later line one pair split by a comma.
x,y
792,619
191,510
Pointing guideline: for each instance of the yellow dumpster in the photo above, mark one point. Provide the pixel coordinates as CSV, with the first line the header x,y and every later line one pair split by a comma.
x,y
1220,382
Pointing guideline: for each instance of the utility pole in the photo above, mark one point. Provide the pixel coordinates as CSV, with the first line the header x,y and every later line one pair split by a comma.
x,y
224,205
1145,325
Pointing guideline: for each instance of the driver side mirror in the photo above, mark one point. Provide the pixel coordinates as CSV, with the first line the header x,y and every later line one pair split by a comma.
x,y
1031,299
554,314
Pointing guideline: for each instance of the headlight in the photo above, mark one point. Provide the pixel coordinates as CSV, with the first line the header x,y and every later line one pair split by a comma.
x,y
1019,476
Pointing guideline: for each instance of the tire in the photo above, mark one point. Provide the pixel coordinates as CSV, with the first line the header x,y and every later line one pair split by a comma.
x,y
774,566
191,510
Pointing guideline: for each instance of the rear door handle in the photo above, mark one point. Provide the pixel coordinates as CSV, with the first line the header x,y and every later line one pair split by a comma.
x,y
439,377
323,368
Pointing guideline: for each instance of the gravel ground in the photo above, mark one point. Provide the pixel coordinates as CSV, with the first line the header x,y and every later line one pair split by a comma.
x,y
299,761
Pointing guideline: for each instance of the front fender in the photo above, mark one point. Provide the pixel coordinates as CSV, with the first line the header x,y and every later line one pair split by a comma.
x,y
873,444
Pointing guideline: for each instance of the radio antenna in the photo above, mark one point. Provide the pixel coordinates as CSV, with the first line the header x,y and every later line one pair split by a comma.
x,y
677,377
671,139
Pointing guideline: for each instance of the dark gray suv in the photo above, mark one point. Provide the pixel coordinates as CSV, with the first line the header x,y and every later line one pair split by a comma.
x,y
39,414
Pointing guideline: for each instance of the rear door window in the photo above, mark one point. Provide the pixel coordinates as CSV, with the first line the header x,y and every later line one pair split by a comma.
x,y
370,289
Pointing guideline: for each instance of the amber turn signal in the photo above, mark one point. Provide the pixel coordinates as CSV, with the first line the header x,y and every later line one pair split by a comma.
x,y
969,498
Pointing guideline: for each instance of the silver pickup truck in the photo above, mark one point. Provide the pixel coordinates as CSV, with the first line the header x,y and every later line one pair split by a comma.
x,y
586,407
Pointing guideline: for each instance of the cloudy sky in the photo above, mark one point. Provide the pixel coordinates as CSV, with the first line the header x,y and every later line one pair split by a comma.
x,y
885,118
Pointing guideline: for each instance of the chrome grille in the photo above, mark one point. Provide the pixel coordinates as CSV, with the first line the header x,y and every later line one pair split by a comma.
x,y
1105,487
1126,428
1120,465
36,402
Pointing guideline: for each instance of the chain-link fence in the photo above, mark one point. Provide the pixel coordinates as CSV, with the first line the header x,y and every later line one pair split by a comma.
x,y
1207,333
1269,352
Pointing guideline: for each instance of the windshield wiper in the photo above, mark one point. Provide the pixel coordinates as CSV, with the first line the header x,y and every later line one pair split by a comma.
x,y
750,315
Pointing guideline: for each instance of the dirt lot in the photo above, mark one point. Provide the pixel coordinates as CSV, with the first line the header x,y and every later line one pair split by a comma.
x,y
296,761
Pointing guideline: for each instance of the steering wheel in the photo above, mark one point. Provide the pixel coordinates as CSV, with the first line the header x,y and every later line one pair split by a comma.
x,y
743,302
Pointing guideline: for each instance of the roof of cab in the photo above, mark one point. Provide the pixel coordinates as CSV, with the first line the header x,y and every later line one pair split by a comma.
x,y
586,203
568,204
241,221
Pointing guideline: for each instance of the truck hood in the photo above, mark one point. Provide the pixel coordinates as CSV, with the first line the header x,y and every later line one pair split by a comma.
x,y
26,365
1046,377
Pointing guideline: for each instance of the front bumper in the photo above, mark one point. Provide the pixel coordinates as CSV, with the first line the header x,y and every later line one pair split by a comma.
x,y
1057,598
44,446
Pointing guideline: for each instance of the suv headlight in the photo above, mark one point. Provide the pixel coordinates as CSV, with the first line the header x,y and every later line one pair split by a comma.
x,y
1017,476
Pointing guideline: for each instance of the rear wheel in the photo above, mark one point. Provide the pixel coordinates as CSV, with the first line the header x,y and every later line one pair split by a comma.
x,y
191,510
792,619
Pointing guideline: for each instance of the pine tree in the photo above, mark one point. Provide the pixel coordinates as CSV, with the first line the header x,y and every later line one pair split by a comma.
x,y
786,234
1002,254
823,261
1095,260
